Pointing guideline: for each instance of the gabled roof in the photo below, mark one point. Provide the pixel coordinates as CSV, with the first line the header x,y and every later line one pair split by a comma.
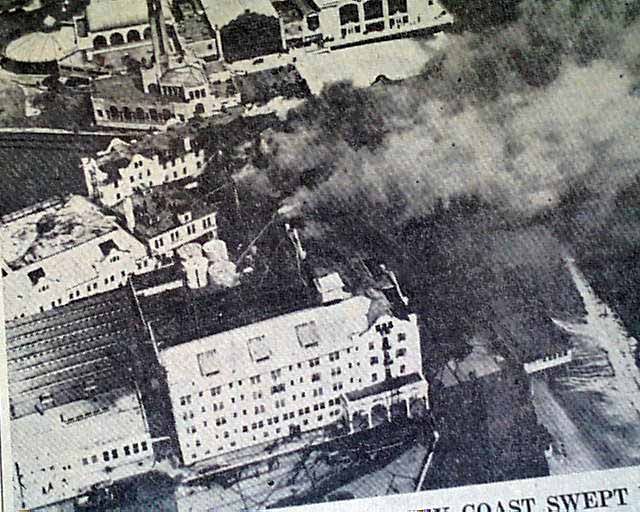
x,y
71,352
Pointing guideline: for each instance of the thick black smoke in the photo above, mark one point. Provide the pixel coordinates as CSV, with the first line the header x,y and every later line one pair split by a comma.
x,y
472,175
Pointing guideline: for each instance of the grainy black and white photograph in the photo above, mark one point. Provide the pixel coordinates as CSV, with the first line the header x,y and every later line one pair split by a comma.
x,y
269,253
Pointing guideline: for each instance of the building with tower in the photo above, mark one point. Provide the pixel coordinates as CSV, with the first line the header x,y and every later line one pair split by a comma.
x,y
174,85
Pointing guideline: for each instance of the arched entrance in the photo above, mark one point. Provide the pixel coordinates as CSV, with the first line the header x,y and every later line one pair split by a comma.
x,y
199,108
116,39
359,421
99,42
133,36
379,414
398,410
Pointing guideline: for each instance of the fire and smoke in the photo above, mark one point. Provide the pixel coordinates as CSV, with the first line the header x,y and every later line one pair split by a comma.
x,y
511,132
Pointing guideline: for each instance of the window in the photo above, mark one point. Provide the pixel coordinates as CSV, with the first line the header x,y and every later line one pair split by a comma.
x,y
94,459
374,377
401,352
402,336
279,388
215,391
143,444
127,450
374,361
114,453
135,447
315,377
84,461
402,368
371,346
105,456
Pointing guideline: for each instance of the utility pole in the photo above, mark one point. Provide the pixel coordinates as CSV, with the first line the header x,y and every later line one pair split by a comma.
x,y
227,172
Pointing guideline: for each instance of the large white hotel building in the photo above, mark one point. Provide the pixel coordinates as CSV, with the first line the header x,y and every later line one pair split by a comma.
x,y
337,364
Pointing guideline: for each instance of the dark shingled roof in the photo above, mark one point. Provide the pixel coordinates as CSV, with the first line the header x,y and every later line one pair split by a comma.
x,y
73,352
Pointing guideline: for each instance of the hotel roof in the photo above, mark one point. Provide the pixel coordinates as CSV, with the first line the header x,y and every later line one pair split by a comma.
x,y
268,344
274,287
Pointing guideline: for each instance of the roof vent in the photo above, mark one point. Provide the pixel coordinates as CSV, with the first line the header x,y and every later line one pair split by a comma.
x,y
331,288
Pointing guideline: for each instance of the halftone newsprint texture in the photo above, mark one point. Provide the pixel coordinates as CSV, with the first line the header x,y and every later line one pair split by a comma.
x,y
289,253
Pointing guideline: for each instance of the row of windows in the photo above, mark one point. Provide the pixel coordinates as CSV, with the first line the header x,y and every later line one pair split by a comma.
x,y
114,454
277,374
91,287
191,429
191,230
197,94
260,425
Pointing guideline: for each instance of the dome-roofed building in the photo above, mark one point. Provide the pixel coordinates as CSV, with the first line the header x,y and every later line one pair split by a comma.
x,y
38,52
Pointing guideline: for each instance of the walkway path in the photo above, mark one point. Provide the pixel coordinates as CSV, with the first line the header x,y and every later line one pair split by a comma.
x,y
592,411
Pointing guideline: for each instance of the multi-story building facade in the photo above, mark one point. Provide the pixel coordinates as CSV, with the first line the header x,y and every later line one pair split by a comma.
x,y
335,23
123,168
63,250
336,364
169,216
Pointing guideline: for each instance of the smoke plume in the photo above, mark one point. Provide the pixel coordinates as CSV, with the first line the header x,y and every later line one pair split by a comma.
x,y
476,171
